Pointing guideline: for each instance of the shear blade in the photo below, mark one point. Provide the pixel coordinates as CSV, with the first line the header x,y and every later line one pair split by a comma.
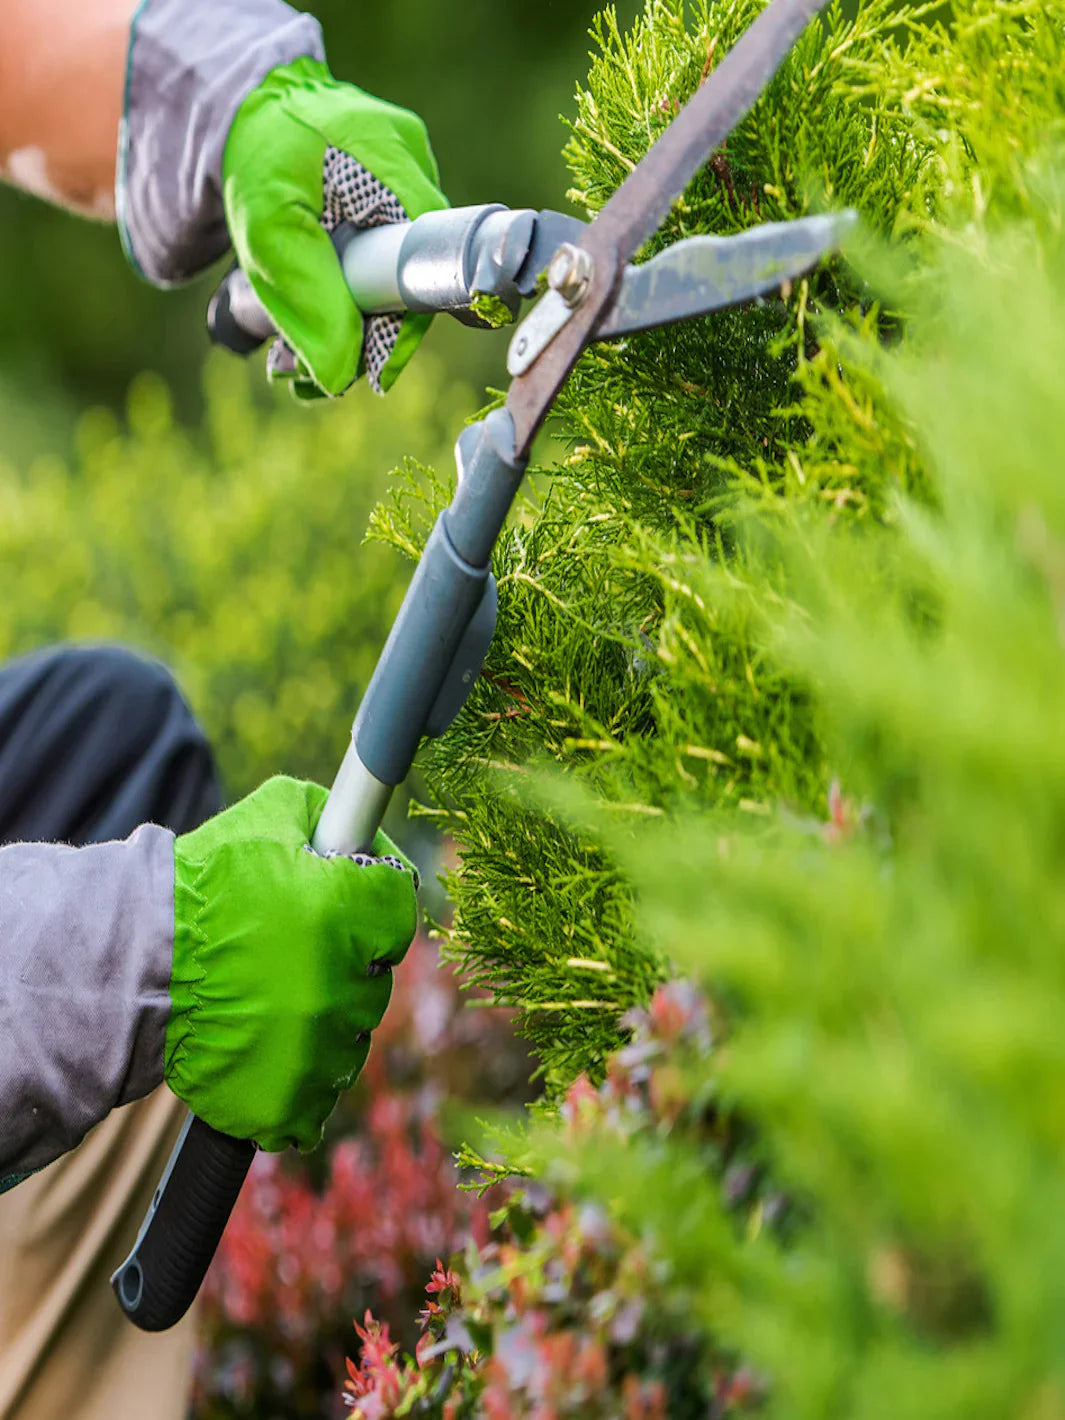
x,y
704,274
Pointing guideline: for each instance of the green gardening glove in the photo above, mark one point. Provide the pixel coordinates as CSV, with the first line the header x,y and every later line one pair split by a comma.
x,y
304,154
281,965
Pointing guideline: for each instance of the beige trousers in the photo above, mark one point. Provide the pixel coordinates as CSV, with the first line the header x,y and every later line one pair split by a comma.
x,y
66,1351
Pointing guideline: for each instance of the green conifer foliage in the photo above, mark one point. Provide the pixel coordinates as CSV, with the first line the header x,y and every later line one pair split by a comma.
x,y
887,937
611,662
897,974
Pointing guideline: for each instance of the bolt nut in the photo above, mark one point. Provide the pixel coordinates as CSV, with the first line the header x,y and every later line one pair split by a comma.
x,y
570,273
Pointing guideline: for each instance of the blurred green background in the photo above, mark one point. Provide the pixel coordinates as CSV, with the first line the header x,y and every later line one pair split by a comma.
x,y
490,81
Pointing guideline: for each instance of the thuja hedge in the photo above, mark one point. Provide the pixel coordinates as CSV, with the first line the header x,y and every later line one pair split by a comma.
x,y
849,602
610,663
895,976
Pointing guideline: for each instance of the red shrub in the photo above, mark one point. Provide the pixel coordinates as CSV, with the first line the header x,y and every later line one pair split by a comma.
x,y
565,1315
314,1242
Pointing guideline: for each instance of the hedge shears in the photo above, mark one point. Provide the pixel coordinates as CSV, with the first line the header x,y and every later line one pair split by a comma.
x,y
477,262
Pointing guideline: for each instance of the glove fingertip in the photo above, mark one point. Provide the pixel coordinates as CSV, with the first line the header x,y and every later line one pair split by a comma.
x,y
293,269
307,392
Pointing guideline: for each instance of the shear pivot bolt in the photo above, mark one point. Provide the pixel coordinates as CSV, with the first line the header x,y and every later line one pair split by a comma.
x,y
570,273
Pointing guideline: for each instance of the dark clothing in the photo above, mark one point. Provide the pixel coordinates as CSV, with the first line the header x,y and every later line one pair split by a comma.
x,y
95,741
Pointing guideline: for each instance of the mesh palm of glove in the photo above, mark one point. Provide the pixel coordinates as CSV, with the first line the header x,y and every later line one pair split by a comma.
x,y
304,154
281,965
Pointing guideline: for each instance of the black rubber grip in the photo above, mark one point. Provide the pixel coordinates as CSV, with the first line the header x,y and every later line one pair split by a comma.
x,y
223,326
158,1282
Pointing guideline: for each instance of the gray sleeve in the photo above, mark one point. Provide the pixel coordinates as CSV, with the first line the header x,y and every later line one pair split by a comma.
x,y
191,64
86,943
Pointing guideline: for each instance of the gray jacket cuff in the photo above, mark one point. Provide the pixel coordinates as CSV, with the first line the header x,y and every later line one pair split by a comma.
x,y
86,946
191,64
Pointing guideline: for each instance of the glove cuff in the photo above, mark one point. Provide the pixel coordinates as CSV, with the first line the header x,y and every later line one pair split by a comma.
x,y
191,64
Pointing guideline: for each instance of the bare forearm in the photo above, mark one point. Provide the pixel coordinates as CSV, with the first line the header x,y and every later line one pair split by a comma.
x,y
62,73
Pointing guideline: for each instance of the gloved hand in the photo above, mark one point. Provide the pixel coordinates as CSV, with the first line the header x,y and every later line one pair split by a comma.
x,y
281,965
235,132
304,154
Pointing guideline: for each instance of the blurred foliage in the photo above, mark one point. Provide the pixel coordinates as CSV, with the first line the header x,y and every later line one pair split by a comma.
x,y
490,81
896,976
567,1314
236,554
